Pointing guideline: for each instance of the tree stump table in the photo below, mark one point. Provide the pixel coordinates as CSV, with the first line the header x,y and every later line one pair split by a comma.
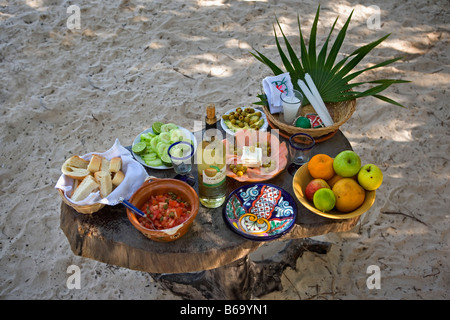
x,y
210,261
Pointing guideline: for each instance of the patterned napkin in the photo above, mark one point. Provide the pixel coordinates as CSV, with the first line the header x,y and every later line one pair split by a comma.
x,y
273,87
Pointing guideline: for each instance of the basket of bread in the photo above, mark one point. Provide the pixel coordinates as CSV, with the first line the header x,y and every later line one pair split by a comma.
x,y
91,181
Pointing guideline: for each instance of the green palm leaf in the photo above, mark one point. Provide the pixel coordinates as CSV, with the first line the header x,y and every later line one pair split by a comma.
x,y
298,68
331,78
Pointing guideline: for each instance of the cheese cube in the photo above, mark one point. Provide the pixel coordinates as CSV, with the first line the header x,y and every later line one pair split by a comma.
x,y
251,156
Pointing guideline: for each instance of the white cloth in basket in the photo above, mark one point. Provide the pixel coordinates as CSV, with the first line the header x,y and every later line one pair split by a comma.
x,y
273,87
135,176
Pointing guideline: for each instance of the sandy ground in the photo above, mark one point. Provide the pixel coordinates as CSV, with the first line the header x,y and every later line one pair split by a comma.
x,y
66,92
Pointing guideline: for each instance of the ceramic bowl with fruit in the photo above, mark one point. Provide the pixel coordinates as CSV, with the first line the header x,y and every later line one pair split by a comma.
x,y
338,188
243,118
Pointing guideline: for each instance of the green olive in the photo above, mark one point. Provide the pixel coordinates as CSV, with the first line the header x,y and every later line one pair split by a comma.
x,y
266,164
247,119
241,124
225,117
254,118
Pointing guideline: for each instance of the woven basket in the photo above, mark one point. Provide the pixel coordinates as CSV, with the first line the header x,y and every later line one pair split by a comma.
x,y
340,112
86,209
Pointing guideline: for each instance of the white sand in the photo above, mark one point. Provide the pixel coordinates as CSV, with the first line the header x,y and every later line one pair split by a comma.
x,y
133,62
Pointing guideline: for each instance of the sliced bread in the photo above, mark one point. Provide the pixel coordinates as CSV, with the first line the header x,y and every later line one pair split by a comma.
x,y
87,186
76,168
104,181
95,163
115,164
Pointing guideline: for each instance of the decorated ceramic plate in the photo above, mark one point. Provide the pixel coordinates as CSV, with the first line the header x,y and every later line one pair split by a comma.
x,y
260,211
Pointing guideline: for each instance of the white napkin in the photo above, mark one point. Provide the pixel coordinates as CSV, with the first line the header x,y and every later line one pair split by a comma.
x,y
135,176
273,86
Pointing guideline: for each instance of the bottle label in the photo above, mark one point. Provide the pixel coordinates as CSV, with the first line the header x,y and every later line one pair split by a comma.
x,y
213,176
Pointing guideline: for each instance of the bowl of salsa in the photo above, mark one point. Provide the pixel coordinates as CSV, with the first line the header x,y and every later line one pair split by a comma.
x,y
170,207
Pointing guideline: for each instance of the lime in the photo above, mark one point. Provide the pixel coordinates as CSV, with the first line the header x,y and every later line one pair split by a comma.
x,y
324,199
139,147
156,127
165,158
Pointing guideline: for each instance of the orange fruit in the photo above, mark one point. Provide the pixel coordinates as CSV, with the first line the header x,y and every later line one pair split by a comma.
x,y
349,195
331,182
321,167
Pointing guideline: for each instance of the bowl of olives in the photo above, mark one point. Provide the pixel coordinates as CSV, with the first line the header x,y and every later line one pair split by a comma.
x,y
243,118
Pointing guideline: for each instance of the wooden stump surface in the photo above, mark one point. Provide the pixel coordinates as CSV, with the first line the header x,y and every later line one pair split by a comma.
x,y
109,237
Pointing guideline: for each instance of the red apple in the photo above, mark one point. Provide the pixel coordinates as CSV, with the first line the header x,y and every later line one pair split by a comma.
x,y
313,186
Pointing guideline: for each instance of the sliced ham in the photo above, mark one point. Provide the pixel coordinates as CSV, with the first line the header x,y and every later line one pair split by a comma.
x,y
279,154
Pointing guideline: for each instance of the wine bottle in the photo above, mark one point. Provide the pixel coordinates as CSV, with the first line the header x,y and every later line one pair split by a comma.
x,y
211,163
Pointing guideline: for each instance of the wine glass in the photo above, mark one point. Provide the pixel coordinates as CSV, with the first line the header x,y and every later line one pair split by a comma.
x,y
300,146
181,154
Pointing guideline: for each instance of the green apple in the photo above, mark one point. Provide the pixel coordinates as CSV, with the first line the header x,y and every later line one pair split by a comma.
x,y
324,199
347,164
370,177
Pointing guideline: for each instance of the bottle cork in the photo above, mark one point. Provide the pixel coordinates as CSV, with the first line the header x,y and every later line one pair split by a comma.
x,y
211,113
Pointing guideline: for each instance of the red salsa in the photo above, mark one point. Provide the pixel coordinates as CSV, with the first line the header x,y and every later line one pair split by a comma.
x,y
165,211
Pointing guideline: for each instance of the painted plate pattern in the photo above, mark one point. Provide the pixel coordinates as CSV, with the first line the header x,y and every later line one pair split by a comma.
x,y
260,211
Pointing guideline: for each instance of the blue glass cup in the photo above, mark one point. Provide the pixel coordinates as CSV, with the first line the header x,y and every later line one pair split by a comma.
x,y
181,154
300,146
